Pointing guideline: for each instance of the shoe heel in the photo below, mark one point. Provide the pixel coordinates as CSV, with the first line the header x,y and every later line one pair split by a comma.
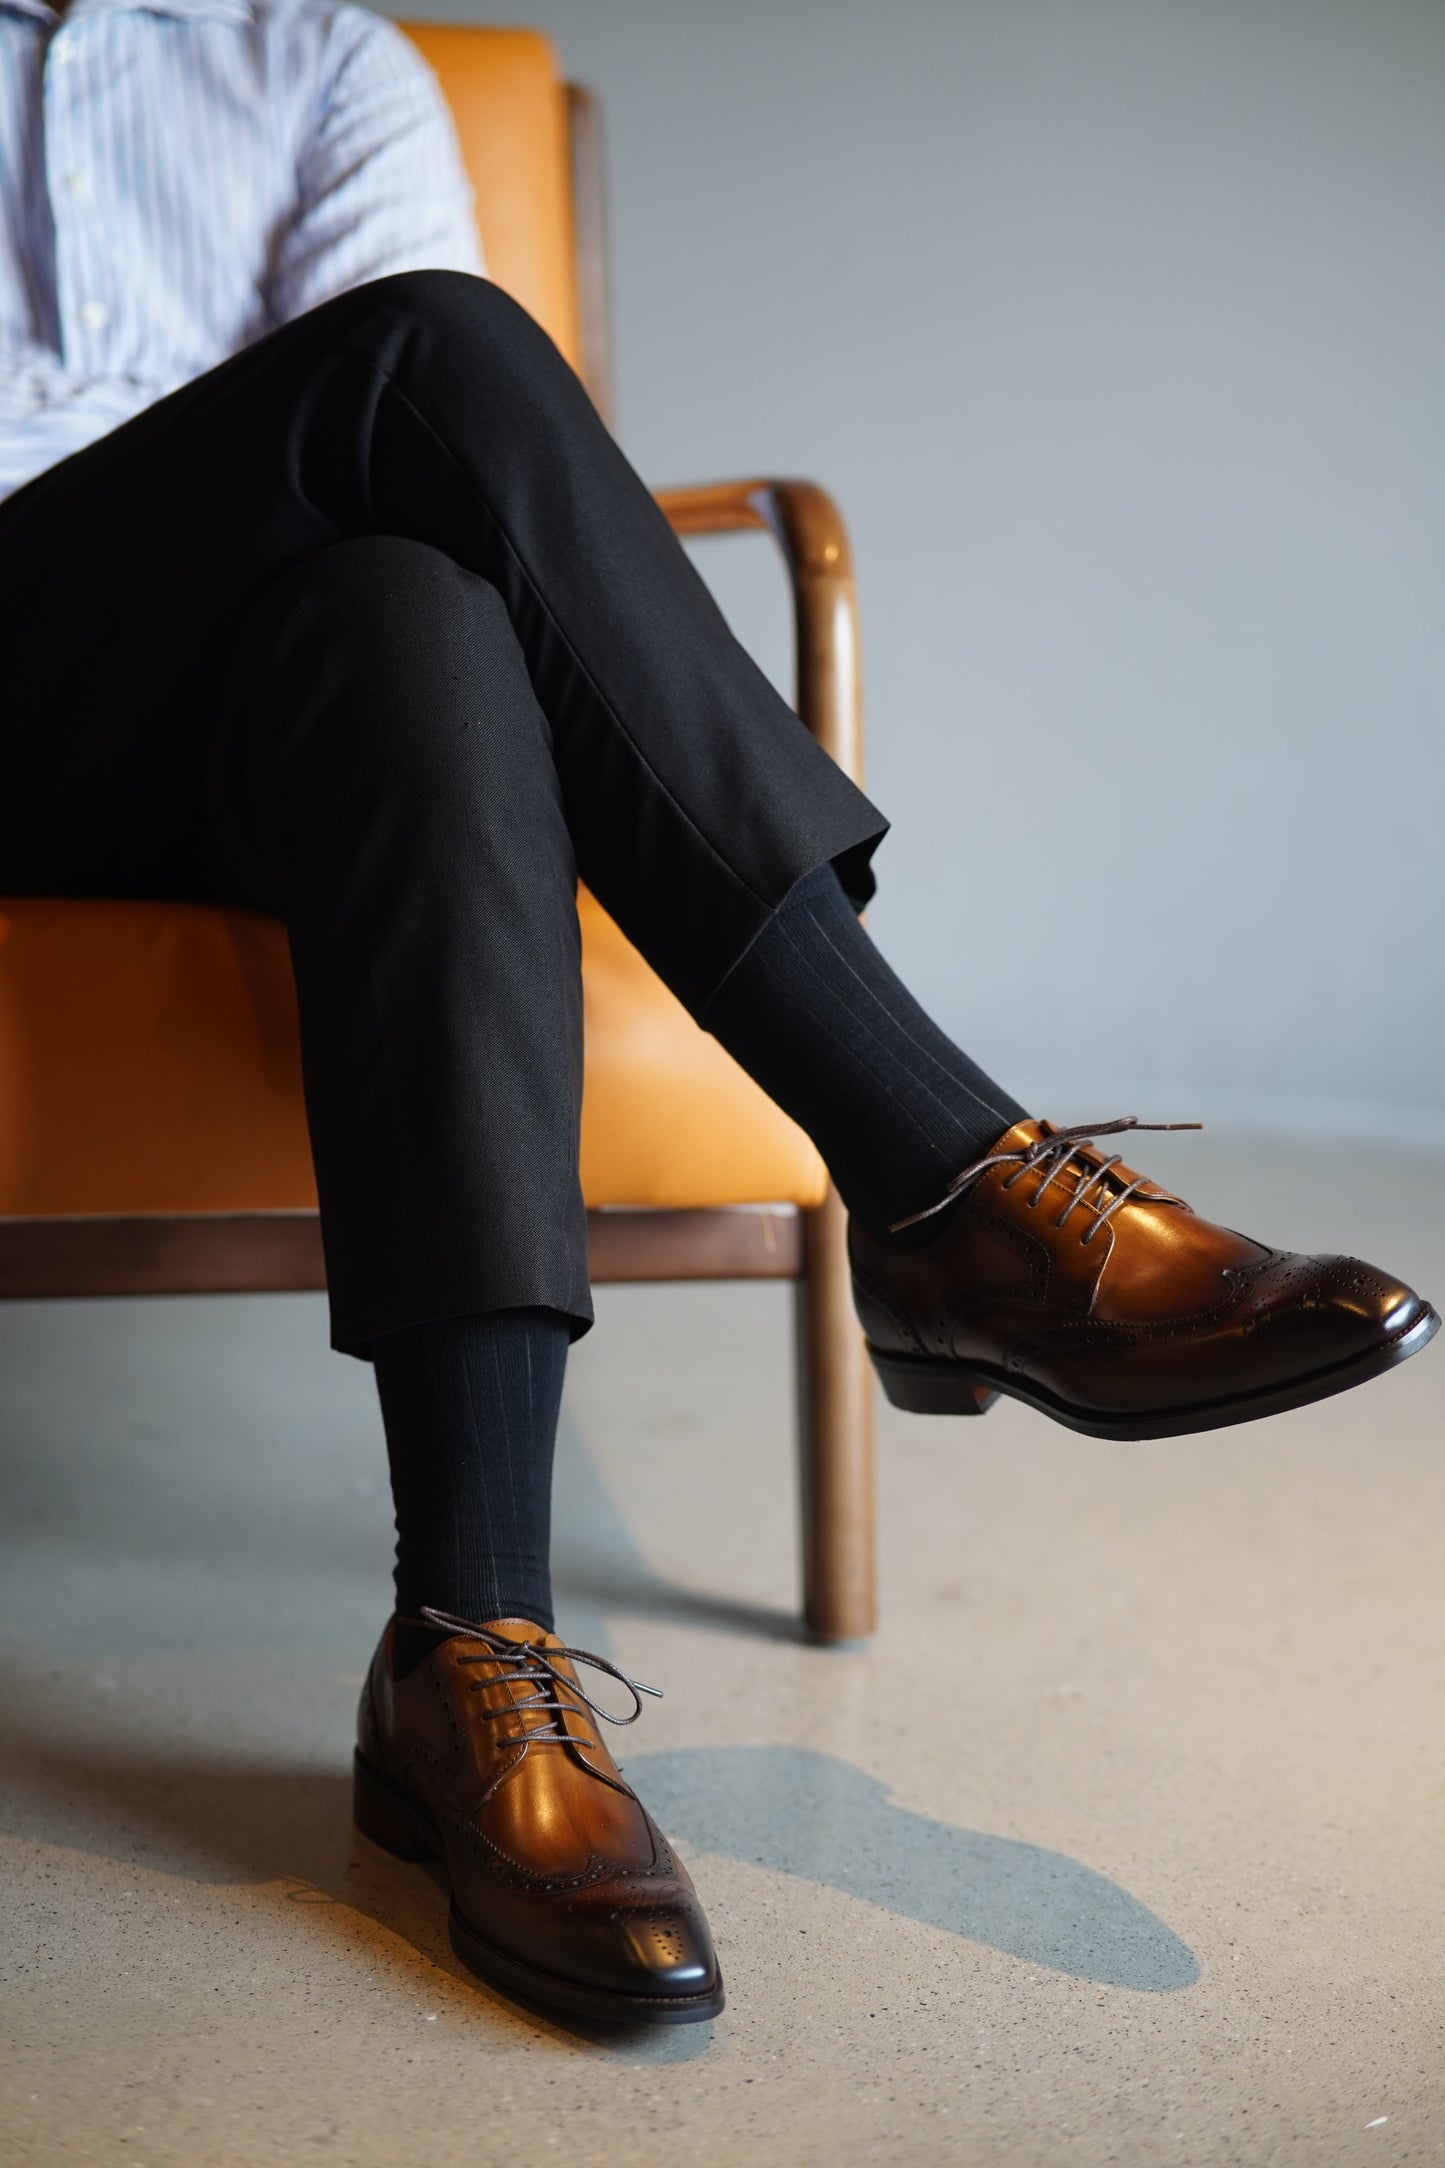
x,y
381,1814
931,1388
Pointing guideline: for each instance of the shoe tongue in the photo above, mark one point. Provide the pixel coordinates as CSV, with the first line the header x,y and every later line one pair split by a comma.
x,y
1093,1150
520,1630
528,1684
1023,1133
1066,1167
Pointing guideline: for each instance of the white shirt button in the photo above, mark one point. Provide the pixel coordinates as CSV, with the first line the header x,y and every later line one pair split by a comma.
x,y
76,184
62,52
94,315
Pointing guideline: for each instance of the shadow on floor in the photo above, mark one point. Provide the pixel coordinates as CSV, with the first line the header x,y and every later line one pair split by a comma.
x,y
213,1818
810,1815
287,1830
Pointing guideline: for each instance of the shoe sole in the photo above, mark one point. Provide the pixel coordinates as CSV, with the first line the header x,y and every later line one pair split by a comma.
x,y
926,1386
390,1820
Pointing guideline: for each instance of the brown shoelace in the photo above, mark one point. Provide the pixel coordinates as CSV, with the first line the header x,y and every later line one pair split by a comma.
x,y
536,1666
1050,1157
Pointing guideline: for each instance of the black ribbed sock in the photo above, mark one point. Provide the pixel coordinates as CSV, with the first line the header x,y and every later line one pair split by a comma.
x,y
470,1406
831,1033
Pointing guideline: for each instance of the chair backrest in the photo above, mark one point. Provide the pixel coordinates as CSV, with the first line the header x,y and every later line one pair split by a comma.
x,y
513,118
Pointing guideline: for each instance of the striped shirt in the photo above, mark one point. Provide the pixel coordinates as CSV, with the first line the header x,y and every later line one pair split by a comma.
x,y
177,177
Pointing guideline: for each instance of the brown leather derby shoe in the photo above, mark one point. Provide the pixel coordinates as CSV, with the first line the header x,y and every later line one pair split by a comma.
x,y
1069,1282
488,1757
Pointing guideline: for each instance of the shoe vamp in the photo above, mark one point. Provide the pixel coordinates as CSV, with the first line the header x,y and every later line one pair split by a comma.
x,y
1292,1318
551,1816
1165,1261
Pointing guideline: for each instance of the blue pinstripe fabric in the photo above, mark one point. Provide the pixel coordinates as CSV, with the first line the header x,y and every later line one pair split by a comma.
x,y
177,177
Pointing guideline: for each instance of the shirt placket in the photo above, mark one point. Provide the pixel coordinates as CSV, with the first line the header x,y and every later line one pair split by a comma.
x,y
82,310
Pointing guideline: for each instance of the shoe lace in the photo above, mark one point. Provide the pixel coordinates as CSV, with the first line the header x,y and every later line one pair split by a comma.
x,y
532,1665
1051,1157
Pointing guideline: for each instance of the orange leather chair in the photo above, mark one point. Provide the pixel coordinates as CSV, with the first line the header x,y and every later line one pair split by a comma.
x,y
152,1134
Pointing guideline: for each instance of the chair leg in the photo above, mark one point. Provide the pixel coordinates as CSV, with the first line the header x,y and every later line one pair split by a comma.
x,y
835,1436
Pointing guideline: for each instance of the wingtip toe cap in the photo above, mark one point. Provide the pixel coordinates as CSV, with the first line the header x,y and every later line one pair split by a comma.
x,y
1354,1297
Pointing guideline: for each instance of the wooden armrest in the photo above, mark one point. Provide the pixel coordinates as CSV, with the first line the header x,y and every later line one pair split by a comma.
x,y
808,528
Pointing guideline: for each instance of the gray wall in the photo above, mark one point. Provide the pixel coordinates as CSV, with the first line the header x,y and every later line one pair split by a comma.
x,y
1118,326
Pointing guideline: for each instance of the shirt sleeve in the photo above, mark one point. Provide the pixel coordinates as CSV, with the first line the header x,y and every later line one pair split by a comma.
x,y
380,182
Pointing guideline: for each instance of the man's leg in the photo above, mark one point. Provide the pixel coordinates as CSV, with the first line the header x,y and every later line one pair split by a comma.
x,y
470,1406
399,802
394,786
392,793
391,787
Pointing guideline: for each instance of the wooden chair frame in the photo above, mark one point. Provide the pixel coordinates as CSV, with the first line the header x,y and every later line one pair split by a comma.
x,y
251,1252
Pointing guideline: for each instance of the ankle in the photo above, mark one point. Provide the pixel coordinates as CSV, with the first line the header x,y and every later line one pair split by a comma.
x,y
412,1641
921,1233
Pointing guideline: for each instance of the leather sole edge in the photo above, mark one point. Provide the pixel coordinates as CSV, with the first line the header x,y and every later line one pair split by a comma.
x,y
381,1813
923,1386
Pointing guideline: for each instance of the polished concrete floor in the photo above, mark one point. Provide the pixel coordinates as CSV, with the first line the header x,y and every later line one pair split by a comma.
x,y
1124,1842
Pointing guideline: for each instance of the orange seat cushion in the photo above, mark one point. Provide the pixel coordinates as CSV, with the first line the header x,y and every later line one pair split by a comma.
x,y
149,1062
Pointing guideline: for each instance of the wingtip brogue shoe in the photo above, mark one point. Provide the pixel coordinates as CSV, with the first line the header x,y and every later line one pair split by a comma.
x,y
488,1757
1064,1279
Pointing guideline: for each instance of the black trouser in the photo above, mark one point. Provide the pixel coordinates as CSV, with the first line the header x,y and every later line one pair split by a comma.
x,y
375,628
